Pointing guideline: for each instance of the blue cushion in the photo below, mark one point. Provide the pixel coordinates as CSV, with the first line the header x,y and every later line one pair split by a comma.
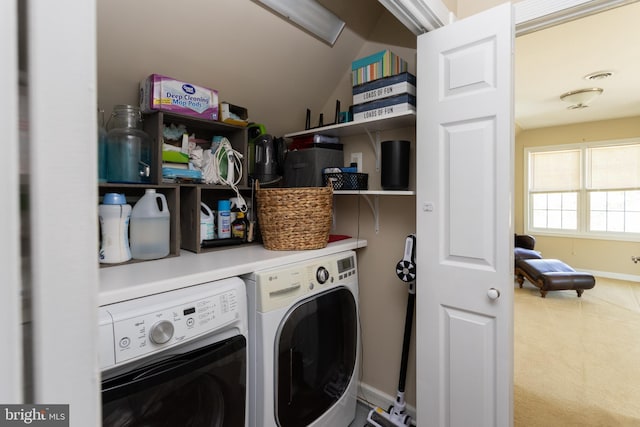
x,y
522,253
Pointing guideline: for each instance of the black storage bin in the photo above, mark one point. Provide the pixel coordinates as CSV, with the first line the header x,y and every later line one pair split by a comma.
x,y
303,168
347,180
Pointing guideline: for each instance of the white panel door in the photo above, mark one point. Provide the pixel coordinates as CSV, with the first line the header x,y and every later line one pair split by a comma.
x,y
10,307
464,222
63,199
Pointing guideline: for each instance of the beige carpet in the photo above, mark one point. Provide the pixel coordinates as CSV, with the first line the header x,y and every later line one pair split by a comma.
x,y
577,360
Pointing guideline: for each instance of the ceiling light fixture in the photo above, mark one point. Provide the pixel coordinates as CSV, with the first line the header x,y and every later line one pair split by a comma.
x,y
310,16
581,98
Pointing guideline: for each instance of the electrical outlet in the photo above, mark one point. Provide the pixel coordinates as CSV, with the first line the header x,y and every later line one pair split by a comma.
x,y
357,158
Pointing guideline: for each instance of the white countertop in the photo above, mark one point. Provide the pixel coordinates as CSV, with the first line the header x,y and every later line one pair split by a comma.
x,y
129,281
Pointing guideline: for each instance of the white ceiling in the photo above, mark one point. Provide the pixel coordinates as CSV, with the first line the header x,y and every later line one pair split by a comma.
x,y
555,60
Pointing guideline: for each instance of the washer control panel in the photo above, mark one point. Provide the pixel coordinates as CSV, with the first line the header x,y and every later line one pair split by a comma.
x,y
153,323
279,287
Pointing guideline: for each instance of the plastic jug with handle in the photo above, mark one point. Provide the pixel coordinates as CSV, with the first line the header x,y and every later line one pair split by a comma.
x,y
150,226
206,223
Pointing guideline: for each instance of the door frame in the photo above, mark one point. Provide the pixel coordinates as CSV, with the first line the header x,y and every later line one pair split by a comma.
x,y
534,15
530,15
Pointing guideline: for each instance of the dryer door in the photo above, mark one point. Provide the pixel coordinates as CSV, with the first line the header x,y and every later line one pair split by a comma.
x,y
316,350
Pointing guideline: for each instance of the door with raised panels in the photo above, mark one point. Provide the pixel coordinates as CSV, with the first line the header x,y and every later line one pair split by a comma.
x,y
464,222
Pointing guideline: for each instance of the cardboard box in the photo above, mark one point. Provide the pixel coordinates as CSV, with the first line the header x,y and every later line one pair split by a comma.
x,y
384,88
384,107
233,114
164,93
381,64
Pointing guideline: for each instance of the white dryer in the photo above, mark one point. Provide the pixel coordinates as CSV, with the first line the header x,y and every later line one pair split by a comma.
x,y
304,343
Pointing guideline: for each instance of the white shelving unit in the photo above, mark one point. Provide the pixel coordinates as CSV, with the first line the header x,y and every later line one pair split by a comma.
x,y
372,128
399,120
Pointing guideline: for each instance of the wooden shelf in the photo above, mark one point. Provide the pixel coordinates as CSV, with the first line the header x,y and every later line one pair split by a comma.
x,y
184,198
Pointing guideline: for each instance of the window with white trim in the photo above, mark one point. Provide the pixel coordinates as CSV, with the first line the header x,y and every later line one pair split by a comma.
x,y
590,189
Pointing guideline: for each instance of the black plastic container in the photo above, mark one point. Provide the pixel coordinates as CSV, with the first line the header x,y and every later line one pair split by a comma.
x,y
395,165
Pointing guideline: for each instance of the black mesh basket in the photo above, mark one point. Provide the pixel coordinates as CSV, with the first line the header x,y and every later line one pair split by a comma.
x,y
347,180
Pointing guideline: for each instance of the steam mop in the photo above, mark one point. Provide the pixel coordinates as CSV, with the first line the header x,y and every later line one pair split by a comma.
x,y
396,416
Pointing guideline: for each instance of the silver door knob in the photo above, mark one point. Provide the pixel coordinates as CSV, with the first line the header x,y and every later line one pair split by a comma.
x,y
493,293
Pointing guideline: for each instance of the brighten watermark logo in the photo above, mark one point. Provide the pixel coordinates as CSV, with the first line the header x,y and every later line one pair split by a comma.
x,y
36,415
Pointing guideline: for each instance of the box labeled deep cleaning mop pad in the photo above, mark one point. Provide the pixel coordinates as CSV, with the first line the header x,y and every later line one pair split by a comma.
x,y
164,93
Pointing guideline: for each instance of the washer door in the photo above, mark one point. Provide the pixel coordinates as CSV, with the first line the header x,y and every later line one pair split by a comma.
x,y
202,388
316,350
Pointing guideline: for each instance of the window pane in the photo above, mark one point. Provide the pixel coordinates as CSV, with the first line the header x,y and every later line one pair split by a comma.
x,y
598,200
615,201
555,219
632,201
539,201
555,201
615,221
539,219
569,220
632,222
570,201
598,221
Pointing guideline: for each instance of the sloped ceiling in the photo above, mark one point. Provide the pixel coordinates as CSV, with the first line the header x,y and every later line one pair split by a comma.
x,y
257,60
251,56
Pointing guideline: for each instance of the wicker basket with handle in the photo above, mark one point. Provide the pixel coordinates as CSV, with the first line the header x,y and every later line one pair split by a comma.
x,y
294,218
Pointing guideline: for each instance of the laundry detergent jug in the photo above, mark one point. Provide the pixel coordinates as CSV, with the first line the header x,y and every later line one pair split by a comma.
x,y
114,215
150,227
206,223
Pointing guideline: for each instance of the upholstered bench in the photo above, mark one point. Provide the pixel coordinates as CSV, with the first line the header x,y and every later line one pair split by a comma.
x,y
552,275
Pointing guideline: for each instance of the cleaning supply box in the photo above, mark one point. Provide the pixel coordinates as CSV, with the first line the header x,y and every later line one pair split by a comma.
x,y
159,92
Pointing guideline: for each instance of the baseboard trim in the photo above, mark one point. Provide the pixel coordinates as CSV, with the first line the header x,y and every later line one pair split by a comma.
x,y
611,275
615,276
373,397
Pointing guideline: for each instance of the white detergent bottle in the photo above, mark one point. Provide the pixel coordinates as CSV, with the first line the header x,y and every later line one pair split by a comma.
x,y
150,226
114,214
206,223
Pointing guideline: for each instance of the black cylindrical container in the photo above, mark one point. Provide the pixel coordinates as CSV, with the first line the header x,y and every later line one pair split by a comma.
x,y
395,164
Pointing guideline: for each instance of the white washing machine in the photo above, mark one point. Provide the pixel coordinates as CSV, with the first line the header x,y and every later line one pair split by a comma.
x,y
177,358
304,343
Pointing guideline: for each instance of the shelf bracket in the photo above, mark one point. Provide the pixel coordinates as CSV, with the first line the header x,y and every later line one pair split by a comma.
x,y
375,210
375,143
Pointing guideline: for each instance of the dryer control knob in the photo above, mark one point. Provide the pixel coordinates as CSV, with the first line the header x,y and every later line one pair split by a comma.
x,y
161,332
322,274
